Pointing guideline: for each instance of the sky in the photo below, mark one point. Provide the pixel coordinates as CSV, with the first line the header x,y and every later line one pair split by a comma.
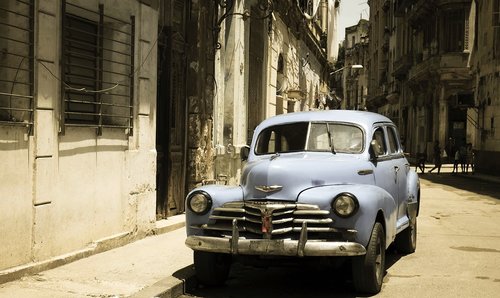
x,y
350,12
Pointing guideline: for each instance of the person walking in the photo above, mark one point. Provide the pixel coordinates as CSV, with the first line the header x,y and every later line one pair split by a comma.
x,y
456,161
437,158
470,158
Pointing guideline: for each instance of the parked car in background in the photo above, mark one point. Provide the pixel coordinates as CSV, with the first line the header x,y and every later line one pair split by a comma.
x,y
316,184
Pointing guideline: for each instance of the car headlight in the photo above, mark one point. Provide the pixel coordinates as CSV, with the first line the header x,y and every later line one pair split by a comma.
x,y
199,202
345,205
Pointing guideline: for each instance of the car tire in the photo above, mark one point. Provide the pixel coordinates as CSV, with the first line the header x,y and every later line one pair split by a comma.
x,y
212,269
406,241
368,270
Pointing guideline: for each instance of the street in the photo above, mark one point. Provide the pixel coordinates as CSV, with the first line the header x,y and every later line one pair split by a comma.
x,y
458,253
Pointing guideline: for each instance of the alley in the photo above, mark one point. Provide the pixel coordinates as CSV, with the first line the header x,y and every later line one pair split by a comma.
x,y
457,253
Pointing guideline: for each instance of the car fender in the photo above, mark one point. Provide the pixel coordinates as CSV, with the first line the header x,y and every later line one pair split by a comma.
x,y
219,194
372,200
413,184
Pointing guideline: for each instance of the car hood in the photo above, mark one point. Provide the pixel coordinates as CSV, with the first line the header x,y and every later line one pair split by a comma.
x,y
285,176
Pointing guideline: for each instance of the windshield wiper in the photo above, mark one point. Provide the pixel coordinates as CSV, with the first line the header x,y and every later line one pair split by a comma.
x,y
330,139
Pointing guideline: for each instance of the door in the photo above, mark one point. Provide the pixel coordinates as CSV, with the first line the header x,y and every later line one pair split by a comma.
x,y
256,74
171,125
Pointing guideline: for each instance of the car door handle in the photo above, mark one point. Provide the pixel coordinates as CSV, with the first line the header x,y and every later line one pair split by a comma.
x,y
396,168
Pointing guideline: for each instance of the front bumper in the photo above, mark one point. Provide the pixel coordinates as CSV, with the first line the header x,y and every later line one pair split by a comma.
x,y
279,247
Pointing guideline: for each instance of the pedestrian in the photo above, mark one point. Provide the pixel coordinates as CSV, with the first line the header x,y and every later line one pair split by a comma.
x,y
437,158
456,160
463,156
470,158
421,158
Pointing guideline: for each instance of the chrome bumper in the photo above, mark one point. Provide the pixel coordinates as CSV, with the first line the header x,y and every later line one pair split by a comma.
x,y
280,247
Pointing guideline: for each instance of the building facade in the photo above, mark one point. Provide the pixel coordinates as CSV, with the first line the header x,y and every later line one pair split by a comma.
x,y
484,113
419,70
355,79
77,123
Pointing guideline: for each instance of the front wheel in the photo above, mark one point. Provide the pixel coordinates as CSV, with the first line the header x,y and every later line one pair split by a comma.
x,y
211,269
368,270
406,241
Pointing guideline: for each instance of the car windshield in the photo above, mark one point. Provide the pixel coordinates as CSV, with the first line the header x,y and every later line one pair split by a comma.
x,y
305,136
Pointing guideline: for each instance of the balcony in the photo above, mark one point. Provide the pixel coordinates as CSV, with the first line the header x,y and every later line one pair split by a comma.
x,y
401,66
420,12
449,67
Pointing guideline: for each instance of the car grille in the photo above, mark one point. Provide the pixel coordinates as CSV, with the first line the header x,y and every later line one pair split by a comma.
x,y
270,219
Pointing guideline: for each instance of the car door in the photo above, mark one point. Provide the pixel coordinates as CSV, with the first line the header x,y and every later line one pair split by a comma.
x,y
401,168
384,167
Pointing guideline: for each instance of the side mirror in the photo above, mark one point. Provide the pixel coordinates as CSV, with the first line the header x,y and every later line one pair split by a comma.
x,y
244,152
375,149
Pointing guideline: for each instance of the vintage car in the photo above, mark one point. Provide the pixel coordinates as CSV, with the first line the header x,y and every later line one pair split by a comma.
x,y
316,184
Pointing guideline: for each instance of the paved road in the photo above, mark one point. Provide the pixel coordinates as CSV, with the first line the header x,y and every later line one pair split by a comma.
x,y
458,253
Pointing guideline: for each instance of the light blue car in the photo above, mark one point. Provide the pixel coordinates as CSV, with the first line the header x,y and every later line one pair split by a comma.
x,y
316,184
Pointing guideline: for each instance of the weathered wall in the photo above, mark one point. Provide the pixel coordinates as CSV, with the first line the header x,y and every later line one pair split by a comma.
x,y
61,192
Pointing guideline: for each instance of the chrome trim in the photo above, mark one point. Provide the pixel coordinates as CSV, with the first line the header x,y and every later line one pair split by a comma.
x,y
268,188
287,247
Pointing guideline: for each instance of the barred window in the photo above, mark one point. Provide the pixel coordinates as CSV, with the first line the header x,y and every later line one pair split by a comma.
x,y
97,69
16,62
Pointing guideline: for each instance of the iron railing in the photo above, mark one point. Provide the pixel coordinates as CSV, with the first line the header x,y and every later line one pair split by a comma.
x,y
97,69
16,63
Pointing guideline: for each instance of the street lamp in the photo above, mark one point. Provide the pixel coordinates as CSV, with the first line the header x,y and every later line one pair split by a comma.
x,y
355,66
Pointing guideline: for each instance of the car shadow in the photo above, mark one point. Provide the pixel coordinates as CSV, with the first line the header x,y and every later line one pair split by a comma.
x,y
289,280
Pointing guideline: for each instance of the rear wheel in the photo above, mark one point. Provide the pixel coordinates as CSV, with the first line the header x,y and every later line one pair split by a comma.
x,y
368,270
406,241
211,269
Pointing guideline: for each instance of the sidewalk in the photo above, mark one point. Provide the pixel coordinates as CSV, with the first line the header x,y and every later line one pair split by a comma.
x,y
155,266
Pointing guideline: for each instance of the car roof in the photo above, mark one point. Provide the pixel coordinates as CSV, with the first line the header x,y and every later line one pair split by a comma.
x,y
363,118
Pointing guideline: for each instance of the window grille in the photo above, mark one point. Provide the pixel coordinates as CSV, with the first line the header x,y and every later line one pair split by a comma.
x,y
97,69
496,13
16,63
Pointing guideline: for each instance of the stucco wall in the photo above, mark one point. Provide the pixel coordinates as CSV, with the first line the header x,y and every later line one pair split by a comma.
x,y
61,192
15,193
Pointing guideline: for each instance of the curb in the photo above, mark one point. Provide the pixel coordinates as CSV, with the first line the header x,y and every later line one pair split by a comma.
x,y
95,247
170,287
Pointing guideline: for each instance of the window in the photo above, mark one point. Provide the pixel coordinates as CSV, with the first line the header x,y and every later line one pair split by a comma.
x,y
16,63
393,140
496,28
378,137
97,69
496,13
454,30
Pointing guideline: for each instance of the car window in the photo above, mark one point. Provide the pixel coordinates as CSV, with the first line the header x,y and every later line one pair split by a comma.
x,y
378,136
282,138
345,138
393,140
318,138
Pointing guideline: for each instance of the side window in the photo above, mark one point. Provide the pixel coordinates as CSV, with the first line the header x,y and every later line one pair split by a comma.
x,y
393,140
378,136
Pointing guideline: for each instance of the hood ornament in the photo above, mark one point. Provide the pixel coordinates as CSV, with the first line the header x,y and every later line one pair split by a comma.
x,y
268,188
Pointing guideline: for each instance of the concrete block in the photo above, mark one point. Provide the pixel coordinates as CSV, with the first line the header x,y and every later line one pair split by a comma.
x,y
49,7
48,39
48,86
44,132
44,180
146,95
